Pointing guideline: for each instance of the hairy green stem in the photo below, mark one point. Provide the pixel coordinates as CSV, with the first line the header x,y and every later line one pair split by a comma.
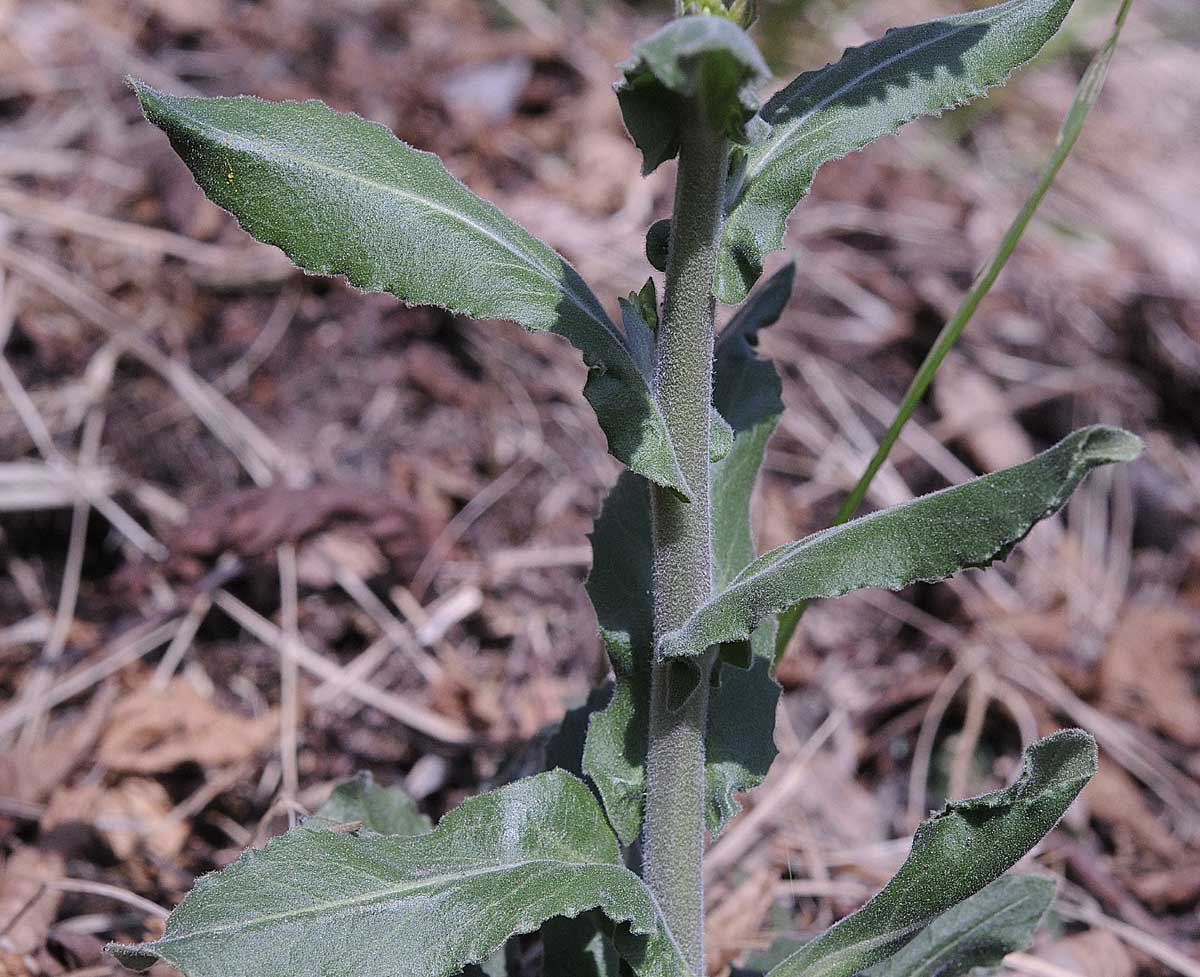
x,y
683,576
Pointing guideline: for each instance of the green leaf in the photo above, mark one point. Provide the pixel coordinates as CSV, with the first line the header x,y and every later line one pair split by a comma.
x,y
740,744
709,58
954,854
382,810
870,92
928,539
1088,90
619,585
343,196
759,962
998,920
577,948
639,334
740,736
563,748
720,436
315,903
658,243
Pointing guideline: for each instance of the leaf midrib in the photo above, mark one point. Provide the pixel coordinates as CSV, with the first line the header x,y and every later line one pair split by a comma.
x,y
938,949
392,891
855,949
830,961
789,129
789,552
268,148
755,167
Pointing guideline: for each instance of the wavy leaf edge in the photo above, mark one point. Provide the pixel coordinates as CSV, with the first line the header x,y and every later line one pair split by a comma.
x,y
726,619
653,454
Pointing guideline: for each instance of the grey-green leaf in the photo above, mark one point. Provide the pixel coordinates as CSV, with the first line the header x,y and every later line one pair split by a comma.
x,y
316,903
381,810
343,196
930,538
979,932
619,585
954,854
577,948
709,58
740,736
740,744
870,92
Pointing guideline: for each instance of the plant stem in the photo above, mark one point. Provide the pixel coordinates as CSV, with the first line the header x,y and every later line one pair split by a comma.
x,y
683,580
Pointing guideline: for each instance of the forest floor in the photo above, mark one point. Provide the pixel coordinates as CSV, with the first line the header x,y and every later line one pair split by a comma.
x,y
259,531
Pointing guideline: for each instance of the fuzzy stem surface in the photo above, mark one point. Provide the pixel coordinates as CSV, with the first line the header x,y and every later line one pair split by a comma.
x,y
683,576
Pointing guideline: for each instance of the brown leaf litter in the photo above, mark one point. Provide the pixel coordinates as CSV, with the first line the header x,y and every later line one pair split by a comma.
x,y
153,731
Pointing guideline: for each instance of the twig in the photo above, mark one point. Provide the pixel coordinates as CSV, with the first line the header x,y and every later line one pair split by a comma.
x,y
360,668
182,641
83,484
135,644
243,368
979,698
1026,964
64,612
212,788
258,454
918,778
416,717
151,240
109,892
394,629
289,706
839,888
487,497
1160,950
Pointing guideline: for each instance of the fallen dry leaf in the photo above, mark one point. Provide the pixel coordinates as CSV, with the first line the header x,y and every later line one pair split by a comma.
x,y
255,521
31,774
1114,797
1096,953
27,906
153,731
14,965
130,816
1145,674
1176,886
319,558
739,916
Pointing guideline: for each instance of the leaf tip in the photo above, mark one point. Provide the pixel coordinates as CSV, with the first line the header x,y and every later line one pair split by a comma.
x,y
146,94
1103,445
154,104
134,956
1068,757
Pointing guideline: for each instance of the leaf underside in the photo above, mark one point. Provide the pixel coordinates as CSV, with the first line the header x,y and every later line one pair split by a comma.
x,y
954,854
318,903
343,196
927,539
979,932
740,743
871,92
709,59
